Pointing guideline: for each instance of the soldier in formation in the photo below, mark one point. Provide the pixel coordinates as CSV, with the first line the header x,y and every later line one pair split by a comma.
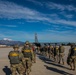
x,y
16,59
34,48
28,56
21,62
61,54
46,50
56,53
72,57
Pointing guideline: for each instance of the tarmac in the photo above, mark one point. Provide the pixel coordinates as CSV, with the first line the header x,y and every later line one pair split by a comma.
x,y
43,65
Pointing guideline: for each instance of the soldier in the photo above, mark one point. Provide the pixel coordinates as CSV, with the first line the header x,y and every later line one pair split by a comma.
x,y
34,52
61,54
52,51
43,50
38,49
28,56
46,50
16,58
56,51
49,52
72,53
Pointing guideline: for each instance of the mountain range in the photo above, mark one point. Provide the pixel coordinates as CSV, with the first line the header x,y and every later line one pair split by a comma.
x,y
10,43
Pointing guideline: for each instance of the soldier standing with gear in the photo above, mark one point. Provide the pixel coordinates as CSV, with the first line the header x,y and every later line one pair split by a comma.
x,y
56,53
61,54
16,58
28,56
46,50
72,53
52,51
34,52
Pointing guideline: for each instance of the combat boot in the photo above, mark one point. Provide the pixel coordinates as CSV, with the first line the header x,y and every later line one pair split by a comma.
x,y
73,69
63,63
70,68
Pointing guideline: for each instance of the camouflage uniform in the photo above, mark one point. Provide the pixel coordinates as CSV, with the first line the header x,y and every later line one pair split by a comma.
x,y
15,58
28,57
61,54
72,58
34,52
51,52
38,50
56,53
43,51
46,50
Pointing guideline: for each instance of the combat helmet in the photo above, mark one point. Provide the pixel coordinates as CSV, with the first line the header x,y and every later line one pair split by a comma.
x,y
15,46
72,45
57,47
27,42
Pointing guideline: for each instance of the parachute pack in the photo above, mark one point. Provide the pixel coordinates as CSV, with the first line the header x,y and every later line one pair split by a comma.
x,y
14,57
75,48
13,54
27,53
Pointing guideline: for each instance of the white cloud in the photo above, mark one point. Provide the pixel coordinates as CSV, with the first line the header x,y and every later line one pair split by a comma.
x,y
7,39
51,37
60,32
12,26
19,12
62,21
36,2
67,15
61,7
52,5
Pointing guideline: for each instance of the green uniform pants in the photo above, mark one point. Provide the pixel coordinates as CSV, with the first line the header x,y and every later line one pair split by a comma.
x,y
17,67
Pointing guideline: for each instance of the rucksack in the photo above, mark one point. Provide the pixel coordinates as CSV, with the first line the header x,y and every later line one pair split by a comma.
x,y
14,57
74,51
61,50
27,52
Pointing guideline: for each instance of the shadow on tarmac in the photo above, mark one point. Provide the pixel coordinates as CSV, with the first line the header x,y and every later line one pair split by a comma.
x,y
48,61
7,70
57,70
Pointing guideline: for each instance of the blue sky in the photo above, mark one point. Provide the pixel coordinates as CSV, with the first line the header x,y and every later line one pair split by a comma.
x,y
52,20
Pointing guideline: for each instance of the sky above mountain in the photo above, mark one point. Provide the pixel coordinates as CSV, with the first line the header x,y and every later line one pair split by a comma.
x,y
52,20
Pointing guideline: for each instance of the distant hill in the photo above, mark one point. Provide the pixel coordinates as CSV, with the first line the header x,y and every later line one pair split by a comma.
x,y
10,43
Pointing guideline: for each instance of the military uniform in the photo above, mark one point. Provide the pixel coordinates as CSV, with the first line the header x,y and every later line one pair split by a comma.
x,y
38,50
56,53
72,61
34,52
46,50
15,58
61,54
50,51
43,51
28,57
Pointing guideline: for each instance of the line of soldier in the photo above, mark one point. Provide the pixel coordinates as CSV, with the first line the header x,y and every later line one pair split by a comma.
x,y
57,53
21,61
